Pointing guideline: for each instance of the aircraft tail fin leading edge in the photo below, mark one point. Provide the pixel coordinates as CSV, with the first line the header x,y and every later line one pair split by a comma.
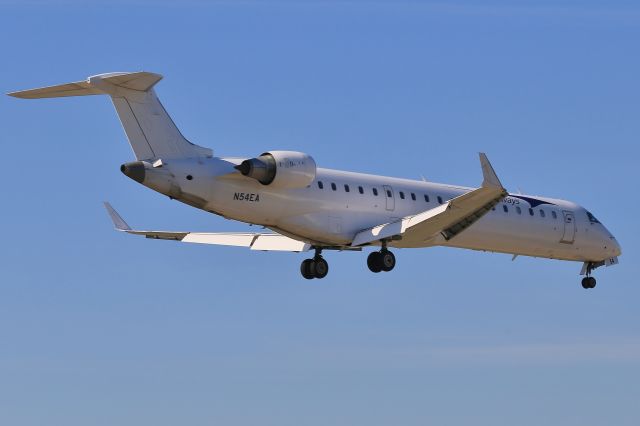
x,y
151,132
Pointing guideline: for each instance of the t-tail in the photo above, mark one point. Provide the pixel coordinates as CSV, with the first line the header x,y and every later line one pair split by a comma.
x,y
151,132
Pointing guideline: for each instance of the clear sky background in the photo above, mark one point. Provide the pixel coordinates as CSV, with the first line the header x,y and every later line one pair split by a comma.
x,y
100,328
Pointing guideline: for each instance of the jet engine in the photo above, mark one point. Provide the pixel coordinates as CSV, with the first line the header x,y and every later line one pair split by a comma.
x,y
280,169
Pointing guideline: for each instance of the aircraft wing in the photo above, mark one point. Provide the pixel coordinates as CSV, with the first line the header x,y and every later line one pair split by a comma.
x,y
447,220
255,241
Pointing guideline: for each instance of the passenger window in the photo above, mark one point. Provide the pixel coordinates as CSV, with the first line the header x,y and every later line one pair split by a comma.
x,y
361,190
389,193
440,199
402,195
518,210
426,198
333,186
413,196
375,192
531,212
505,208
320,184
346,188
542,213
554,215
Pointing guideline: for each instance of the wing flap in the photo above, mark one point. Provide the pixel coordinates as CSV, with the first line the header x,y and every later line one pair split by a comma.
x,y
277,242
254,241
222,238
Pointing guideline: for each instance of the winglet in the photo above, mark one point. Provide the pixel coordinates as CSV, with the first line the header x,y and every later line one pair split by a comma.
x,y
489,175
118,221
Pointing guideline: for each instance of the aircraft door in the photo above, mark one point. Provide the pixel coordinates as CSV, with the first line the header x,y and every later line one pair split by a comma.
x,y
569,234
389,197
335,224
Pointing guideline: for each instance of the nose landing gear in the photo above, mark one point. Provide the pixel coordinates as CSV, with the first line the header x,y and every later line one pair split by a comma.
x,y
314,268
589,281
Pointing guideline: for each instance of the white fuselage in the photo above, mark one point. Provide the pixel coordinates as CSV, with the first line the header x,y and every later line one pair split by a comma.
x,y
338,204
310,207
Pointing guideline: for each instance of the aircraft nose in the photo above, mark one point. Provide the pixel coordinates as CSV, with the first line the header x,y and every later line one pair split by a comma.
x,y
617,250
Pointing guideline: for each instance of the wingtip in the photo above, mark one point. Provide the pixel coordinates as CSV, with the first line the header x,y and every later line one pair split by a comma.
x,y
490,178
118,222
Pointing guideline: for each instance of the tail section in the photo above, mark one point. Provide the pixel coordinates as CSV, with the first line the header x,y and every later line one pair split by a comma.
x,y
151,132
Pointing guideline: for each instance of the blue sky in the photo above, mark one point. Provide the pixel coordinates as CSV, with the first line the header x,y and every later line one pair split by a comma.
x,y
98,328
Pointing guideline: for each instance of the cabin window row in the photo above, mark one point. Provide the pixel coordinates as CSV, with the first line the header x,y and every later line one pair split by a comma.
x,y
531,212
374,190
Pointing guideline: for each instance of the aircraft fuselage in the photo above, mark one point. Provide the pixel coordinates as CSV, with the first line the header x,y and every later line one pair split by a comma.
x,y
338,204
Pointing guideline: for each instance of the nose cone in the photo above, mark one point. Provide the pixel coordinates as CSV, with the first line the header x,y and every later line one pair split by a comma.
x,y
617,250
609,243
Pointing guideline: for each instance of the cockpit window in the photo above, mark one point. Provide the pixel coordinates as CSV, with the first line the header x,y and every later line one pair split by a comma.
x,y
592,218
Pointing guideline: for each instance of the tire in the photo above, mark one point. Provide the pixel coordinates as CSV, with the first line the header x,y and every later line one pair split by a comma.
x,y
321,268
592,282
374,262
585,283
387,261
306,269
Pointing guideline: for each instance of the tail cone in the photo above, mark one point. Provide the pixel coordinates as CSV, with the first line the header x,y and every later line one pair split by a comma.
x,y
134,170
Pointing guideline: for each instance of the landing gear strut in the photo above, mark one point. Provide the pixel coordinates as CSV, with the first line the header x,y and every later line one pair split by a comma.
x,y
588,281
316,267
382,260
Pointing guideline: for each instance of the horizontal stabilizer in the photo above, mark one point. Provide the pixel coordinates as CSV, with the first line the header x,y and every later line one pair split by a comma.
x,y
79,88
139,81
151,132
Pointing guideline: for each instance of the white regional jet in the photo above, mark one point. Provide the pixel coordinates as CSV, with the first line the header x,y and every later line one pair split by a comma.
x,y
310,208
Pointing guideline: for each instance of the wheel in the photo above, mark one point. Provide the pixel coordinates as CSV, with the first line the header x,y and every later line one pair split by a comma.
x,y
306,269
374,261
387,260
321,267
588,282
585,283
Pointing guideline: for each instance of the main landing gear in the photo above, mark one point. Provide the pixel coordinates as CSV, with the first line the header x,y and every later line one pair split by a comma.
x,y
317,267
314,268
382,260
588,281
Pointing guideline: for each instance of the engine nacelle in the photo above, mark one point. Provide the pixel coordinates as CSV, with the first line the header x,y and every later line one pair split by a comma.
x,y
280,169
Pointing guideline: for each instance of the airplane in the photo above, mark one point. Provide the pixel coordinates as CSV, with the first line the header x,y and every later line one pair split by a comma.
x,y
308,208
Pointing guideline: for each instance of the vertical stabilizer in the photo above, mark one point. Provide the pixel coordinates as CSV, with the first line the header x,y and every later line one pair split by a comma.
x,y
151,132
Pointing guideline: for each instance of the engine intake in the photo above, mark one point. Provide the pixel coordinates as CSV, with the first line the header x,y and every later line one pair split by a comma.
x,y
281,169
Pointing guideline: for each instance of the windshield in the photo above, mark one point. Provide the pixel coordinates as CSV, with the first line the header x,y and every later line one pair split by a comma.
x,y
592,218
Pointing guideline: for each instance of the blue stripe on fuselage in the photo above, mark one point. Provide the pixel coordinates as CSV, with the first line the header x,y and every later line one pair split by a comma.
x,y
533,202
